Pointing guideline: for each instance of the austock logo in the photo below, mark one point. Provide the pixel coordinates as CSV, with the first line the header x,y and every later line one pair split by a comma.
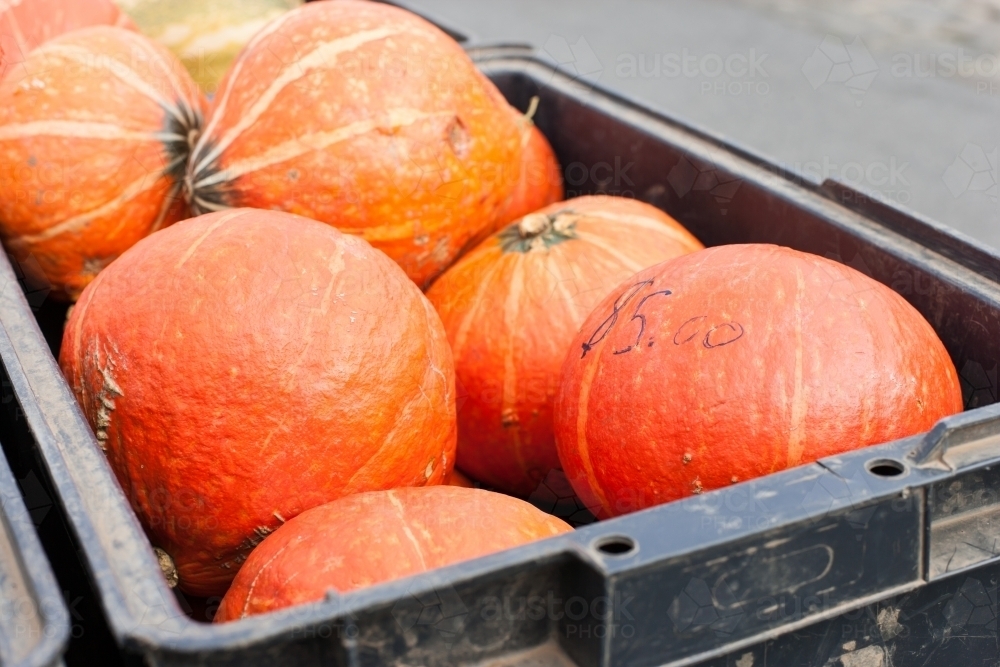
x,y
973,170
345,625
605,178
850,496
577,59
700,607
972,611
156,609
440,610
554,495
596,617
36,500
691,175
11,55
27,617
33,498
31,279
834,62
720,74
722,608
979,385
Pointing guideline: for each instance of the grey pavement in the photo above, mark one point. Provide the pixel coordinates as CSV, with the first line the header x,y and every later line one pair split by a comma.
x,y
900,98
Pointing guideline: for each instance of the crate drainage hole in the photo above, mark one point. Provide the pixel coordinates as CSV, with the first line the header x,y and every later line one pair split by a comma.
x,y
886,468
616,546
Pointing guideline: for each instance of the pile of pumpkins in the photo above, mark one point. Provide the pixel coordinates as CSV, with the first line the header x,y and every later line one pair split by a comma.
x,y
305,308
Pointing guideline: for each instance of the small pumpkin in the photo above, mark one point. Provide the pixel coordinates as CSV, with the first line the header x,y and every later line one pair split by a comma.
x,y
370,538
241,367
511,307
95,127
735,362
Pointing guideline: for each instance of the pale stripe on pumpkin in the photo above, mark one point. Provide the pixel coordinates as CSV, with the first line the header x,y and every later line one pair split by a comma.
x,y
406,528
466,324
317,141
646,223
607,248
323,56
168,202
512,307
169,72
799,407
567,298
79,129
235,69
134,189
403,424
262,570
223,219
582,446
116,68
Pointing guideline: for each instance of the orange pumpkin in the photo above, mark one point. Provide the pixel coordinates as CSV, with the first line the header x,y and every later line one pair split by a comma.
x,y
368,118
95,130
371,538
25,24
244,366
511,308
735,362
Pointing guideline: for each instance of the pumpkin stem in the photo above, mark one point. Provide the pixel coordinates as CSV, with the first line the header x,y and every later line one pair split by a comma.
x,y
532,108
192,138
533,224
167,567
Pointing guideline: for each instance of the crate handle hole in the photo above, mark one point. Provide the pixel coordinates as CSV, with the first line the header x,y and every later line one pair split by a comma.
x,y
617,545
885,468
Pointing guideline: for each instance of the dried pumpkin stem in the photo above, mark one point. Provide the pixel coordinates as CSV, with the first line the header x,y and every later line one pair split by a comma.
x,y
167,567
533,224
532,108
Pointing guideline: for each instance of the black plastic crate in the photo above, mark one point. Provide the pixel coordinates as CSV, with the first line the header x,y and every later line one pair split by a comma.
x,y
888,555
34,620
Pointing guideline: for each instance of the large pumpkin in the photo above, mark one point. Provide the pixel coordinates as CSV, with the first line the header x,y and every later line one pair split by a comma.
x,y
95,130
370,538
735,362
368,118
25,24
206,35
244,366
511,308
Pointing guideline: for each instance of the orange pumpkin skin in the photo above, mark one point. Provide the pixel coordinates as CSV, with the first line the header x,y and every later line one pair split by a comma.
x,y
244,366
25,24
94,133
760,358
512,306
371,538
368,118
541,177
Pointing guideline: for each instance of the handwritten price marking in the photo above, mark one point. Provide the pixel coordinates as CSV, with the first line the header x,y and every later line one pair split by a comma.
x,y
723,334
605,327
718,335
642,319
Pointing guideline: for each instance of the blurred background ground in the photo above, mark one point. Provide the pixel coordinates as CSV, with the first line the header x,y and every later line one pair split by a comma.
x,y
900,98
